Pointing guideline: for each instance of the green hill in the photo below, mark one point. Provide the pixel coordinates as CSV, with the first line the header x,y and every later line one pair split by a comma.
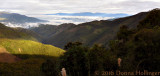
x,y
30,55
29,47
22,41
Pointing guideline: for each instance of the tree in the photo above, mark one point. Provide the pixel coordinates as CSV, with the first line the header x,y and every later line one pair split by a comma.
x,y
74,60
72,44
123,33
99,59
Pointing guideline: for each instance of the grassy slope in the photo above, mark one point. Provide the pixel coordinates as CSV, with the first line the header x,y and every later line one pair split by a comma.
x,y
22,42
29,47
33,55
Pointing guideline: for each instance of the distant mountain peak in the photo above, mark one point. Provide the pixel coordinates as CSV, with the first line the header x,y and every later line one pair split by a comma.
x,y
3,12
18,20
92,14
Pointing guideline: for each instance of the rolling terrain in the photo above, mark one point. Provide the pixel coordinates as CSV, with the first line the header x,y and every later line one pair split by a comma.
x,y
88,33
22,54
22,41
134,39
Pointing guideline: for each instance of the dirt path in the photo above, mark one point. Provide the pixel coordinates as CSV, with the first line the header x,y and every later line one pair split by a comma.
x,y
7,57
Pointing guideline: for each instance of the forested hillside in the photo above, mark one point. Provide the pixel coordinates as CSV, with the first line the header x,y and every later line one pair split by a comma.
x,y
132,51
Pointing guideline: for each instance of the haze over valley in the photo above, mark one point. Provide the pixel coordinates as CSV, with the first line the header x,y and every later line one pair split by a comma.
x,y
18,20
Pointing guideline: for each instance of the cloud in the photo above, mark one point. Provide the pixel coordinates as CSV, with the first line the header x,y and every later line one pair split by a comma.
x,y
37,8
56,19
34,7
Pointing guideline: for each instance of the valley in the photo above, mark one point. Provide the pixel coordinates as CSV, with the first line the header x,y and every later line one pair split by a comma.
x,y
125,44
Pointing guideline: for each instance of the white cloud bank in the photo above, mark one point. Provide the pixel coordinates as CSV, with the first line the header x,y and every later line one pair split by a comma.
x,y
74,6
36,8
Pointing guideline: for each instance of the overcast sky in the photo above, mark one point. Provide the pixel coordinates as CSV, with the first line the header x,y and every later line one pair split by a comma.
x,y
74,6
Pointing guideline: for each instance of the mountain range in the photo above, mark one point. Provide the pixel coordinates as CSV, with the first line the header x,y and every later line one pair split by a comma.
x,y
30,52
88,33
18,20
91,14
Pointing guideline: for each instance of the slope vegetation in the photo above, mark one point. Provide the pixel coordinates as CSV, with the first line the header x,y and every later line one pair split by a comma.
x,y
24,42
30,47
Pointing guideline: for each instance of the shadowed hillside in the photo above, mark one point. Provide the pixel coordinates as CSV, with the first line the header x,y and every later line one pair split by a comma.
x,y
47,31
13,33
89,33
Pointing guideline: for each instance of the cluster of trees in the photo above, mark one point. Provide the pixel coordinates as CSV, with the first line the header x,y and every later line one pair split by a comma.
x,y
80,60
